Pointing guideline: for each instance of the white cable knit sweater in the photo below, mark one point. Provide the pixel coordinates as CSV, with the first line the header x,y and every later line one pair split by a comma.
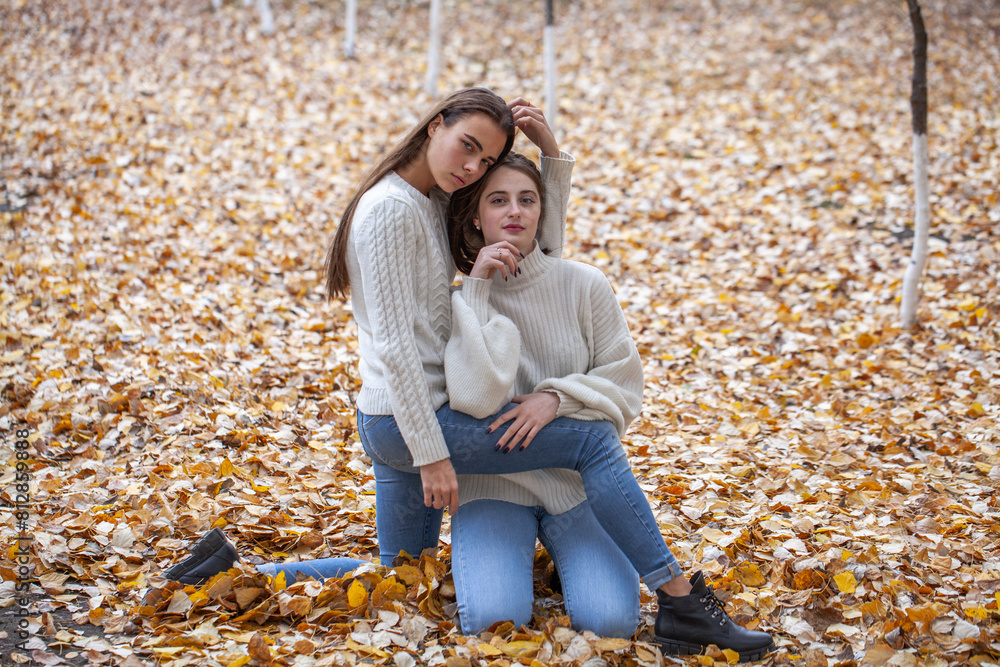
x,y
556,327
401,271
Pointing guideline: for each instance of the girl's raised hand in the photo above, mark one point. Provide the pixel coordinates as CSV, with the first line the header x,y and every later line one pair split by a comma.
x,y
530,120
502,256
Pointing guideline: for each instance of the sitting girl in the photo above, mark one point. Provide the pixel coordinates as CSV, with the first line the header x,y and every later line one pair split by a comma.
x,y
569,354
552,332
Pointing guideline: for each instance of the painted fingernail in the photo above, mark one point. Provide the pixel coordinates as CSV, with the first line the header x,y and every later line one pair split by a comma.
x,y
521,448
521,254
489,429
497,448
505,450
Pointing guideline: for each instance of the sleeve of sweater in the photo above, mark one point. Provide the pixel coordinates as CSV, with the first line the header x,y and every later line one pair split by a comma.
x,y
384,242
480,361
612,389
557,177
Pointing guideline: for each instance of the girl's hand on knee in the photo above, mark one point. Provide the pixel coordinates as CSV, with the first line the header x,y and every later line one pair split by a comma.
x,y
533,412
440,485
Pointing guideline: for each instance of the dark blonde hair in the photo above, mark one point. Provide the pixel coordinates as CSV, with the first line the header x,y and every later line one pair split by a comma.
x,y
451,109
466,241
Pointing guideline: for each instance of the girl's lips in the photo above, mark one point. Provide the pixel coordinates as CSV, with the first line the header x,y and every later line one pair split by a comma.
x,y
461,183
514,228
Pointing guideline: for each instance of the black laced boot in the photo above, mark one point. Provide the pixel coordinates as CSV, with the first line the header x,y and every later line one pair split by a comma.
x,y
686,625
210,555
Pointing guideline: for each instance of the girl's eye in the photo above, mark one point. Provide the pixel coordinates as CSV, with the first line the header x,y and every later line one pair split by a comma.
x,y
467,145
497,200
527,200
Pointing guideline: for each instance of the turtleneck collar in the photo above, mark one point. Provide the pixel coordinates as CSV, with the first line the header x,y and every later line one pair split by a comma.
x,y
534,268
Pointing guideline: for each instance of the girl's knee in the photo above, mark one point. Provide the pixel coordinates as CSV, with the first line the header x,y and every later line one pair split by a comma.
x,y
613,621
478,617
611,612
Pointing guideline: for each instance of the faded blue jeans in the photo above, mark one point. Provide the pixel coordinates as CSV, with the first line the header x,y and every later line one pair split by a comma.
x,y
320,568
591,448
492,559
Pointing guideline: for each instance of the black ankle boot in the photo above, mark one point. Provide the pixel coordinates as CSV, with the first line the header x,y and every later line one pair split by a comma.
x,y
686,625
210,555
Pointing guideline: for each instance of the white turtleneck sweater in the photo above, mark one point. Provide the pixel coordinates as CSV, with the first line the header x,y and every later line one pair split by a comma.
x,y
401,271
556,327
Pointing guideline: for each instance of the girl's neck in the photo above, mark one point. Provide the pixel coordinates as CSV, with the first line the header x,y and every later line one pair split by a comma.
x,y
417,173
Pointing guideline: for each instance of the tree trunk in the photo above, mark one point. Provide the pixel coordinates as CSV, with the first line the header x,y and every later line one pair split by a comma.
x,y
351,27
266,17
918,105
434,48
550,64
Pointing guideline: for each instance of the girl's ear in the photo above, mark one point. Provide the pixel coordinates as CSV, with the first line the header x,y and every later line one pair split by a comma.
x,y
475,221
433,126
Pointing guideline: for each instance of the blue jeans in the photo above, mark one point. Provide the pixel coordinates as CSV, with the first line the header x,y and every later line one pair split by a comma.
x,y
321,568
591,448
492,558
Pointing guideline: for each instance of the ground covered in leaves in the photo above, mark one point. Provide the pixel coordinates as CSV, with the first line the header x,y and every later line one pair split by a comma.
x,y
170,179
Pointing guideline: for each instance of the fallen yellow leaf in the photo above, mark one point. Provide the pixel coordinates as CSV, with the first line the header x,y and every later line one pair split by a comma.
x,y
980,613
357,595
846,582
749,574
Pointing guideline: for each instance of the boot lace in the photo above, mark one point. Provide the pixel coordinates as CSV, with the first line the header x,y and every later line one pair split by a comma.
x,y
714,605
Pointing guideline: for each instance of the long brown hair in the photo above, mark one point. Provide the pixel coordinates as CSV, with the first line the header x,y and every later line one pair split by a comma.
x,y
451,109
465,240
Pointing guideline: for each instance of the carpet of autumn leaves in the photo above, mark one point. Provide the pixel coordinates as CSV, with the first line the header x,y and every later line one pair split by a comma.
x,y
170,179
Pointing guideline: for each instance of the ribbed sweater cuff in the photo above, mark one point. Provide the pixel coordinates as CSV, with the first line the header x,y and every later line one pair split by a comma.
x,y
428,449
567,404
476,292
565,161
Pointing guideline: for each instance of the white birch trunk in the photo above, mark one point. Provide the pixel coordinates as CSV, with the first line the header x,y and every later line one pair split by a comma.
x,y
434,49
551,106
550,64
351,27
921,231
921,223
266,17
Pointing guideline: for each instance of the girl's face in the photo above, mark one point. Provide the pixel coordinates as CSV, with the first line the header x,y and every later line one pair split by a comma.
x,y
459,155
509,209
